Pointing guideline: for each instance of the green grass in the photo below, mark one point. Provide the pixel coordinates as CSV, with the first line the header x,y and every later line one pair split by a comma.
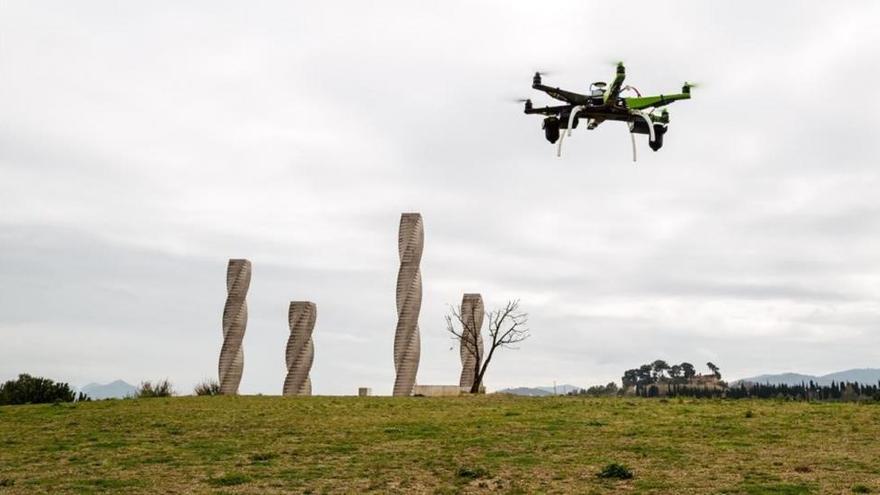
x,y
439,445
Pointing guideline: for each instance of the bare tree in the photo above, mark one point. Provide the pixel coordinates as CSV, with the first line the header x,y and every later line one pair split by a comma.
x,y
507,327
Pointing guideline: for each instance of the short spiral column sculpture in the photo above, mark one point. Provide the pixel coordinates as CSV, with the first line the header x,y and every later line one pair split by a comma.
x,y
472,313
235,314
407,346
300,348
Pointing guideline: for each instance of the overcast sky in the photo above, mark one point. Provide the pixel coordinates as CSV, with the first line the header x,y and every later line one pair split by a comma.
x,y
143,144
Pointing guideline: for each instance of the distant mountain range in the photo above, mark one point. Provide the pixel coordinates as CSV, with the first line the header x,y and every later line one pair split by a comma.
x,y
114,390
863,375
538,391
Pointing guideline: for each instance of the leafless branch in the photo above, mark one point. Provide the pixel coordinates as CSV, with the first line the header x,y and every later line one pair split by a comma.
x,y
459,327
508,325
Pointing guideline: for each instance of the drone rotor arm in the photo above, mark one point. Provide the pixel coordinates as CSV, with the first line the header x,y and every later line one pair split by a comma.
x,y
644,102
554,110
616,86
562,95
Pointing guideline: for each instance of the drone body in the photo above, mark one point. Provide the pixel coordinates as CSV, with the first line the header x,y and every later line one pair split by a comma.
x,y
605,103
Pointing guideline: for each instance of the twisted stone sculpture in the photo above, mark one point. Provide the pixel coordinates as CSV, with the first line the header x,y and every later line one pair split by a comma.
x,y
472,313
300,348
407,347
238,280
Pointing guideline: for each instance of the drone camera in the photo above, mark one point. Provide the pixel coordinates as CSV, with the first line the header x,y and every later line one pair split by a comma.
x,y
551,129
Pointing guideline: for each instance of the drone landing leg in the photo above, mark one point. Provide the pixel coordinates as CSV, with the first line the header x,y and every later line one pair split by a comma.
x,y
648,121
559,145
571,116
633,138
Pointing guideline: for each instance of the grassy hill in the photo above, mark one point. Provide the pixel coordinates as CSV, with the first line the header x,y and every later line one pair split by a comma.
x,y
438,445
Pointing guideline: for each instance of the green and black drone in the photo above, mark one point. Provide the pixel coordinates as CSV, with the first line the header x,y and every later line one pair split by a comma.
x,y
606,103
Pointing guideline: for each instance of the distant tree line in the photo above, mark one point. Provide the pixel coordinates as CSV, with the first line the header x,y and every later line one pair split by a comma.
x,y
609,390
836,391
846,391
659,379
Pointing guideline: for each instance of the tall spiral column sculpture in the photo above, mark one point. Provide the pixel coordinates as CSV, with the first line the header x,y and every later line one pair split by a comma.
x,y
300,348
238,280
410,241
472,313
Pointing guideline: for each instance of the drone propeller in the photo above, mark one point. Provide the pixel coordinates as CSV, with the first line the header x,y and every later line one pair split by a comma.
x,y
527,101
536,79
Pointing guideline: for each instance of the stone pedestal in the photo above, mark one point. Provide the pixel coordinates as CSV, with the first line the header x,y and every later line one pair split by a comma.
x,y
439,390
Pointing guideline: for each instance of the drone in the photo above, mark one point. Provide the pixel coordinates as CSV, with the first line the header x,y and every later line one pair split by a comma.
x,y
603,103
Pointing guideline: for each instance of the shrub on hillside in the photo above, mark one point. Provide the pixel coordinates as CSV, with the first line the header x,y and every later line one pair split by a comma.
x,y
29,389
161,388
615,470
207,387
471,473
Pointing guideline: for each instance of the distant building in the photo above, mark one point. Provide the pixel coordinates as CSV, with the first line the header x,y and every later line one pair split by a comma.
x,y
664,384
710,381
